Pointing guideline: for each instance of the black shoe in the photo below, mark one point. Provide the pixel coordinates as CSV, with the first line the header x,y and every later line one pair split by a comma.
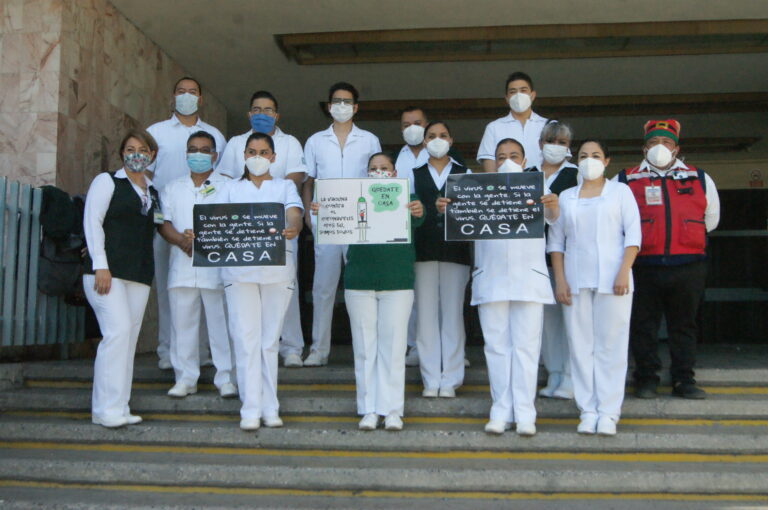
x,y
688,390
645,389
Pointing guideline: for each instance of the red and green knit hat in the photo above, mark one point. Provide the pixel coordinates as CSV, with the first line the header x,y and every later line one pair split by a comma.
x,y
669,128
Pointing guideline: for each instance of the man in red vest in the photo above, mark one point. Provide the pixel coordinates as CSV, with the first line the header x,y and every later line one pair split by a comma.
x,y
678,205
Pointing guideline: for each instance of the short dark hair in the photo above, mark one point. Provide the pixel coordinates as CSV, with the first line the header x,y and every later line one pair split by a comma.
x,y
263,94
435,123
509,140
203,134
600,143
199,87
388,156
142,136
409,109
342,85
518,75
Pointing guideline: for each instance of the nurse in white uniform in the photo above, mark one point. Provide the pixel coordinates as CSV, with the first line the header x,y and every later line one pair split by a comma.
x,y
593,246
511,286
190,287
258,296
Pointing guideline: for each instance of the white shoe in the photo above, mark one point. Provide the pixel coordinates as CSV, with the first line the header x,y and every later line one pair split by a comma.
x,y
132,419
466,363
430,393
181,390
526,429
369,422
447,393
110,423
393,422
228,390
553,382
206,363
272,422
606,426
412,358
587,425
565,390
314,360
496,427
164,364
250,424
292,360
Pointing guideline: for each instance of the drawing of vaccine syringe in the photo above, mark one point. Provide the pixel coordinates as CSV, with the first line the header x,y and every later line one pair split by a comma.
x,y
362,215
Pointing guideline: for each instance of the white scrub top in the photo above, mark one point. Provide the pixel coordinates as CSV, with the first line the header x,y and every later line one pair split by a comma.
x,y
326,160
406,163
289,156
509,127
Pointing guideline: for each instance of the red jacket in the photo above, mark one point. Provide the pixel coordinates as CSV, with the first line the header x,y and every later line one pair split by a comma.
x,y
673,224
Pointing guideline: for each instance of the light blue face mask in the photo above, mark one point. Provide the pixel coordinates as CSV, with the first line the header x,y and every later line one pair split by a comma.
x,y
186,103
199,163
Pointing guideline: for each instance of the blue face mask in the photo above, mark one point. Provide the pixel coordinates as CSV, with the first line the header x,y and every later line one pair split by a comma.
x,y
262,123
199,163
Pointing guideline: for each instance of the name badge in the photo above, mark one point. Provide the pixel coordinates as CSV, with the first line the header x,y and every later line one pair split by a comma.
x,y
653,195
158,217
207,190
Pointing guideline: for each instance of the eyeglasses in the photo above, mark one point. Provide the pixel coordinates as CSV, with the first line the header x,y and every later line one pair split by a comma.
x,y
267,111
338,100
195,150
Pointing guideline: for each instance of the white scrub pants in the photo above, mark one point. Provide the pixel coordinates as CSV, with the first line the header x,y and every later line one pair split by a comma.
x,y
379,323
598,333
329,259
512,333
292,338
185,321
256,313
162,251
120,313
554,343
440,288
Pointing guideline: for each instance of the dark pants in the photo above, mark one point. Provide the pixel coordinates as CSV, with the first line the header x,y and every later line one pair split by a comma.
x,y
675,292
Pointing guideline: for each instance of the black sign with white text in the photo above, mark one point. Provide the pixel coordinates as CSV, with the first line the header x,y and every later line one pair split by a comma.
x,y
229,235
494,206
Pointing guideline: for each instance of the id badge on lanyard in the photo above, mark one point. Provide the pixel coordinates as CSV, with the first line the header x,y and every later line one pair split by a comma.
x,y
653,195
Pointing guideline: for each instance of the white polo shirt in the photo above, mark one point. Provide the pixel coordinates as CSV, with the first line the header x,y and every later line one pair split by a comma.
x,y
406,163
273,190
289,157
178,199
171,137
509,127
326,160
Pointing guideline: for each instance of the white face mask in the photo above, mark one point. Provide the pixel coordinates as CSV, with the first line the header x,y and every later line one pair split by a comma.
x,y
659,156
342,112
591,169
413,134
554,154
186,103
257,165
438,147
509,167
520,102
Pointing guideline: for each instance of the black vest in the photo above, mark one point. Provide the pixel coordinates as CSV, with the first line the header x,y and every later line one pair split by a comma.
x,y
128,235
429,238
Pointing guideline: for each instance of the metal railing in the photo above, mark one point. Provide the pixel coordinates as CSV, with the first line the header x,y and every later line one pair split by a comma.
x,y
27,316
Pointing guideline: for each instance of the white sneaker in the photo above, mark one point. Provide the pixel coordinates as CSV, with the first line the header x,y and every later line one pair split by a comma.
x,y
164,364
565,390
393,422
314,360
369,422
228,390
272,422
466,363
292,360
250,424
447,393
430,393
606,426
412,358
110,423
181,390
496,427
132,419
587,425
553,382
526,429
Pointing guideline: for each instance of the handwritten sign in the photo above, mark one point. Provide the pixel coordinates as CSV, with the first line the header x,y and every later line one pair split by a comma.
x,y
363,211
229,235
494,206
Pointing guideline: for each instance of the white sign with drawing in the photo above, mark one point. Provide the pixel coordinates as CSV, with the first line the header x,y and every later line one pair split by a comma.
x,y
363,211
